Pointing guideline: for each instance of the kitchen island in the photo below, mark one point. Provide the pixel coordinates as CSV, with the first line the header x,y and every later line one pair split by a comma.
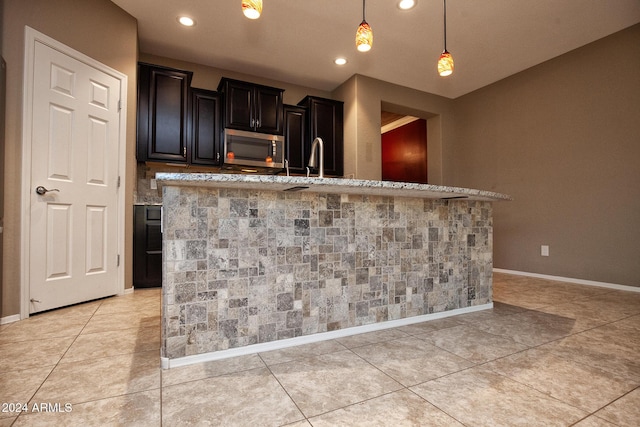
x,y
254,262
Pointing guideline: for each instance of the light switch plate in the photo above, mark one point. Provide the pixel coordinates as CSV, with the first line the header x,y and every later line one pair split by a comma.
x,y
153,184
544,250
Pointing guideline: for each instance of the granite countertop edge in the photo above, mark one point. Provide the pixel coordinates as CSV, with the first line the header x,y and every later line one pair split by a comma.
x,y
328,185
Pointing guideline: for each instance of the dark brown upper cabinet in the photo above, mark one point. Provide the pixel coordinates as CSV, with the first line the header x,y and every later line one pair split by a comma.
x,y
163,102
204,148
325,120
295,135
252,107
176,123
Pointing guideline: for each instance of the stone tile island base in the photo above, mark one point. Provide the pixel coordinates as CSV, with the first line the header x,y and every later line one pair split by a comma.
x,y
246,266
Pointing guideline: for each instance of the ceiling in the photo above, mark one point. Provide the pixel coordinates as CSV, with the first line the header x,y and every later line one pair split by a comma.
x,y
296,41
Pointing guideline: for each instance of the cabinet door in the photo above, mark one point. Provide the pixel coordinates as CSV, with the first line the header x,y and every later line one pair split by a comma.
x,y
326,121
268,110
252,107
162,114
205,125
295,130
147,247
239,106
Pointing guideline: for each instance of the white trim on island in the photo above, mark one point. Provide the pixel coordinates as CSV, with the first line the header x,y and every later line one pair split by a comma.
x,y
167,363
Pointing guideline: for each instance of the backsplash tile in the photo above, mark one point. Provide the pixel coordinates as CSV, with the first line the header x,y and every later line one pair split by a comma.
x,y
249,266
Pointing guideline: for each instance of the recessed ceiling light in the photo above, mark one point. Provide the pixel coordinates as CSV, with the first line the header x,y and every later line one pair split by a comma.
x,y
406,4
186,21
340,61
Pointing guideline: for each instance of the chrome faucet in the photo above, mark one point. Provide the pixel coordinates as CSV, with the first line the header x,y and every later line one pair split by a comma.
x,y
312,158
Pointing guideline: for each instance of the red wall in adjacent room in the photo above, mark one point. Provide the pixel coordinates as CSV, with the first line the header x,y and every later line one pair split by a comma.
x,y
404,153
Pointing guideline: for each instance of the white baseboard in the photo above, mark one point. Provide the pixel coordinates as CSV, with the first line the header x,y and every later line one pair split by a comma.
x,y
570,280
167,363
9,319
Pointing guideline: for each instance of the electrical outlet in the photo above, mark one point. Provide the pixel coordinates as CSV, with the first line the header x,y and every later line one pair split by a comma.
x,y
153,184
544,250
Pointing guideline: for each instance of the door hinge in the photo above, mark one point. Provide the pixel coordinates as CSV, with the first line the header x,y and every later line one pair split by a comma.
x,y
118,261
119,105
118,182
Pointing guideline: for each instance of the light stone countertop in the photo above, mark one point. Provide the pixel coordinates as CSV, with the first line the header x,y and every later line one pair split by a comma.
x,y
326,185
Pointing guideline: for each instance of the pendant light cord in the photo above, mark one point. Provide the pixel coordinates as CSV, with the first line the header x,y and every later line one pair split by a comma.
x,y
444,2
363,7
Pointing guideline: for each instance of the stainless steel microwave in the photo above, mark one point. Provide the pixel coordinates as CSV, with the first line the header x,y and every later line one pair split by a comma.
x,y
255,149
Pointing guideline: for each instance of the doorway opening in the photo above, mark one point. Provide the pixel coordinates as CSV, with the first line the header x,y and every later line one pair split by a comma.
x,y
404,148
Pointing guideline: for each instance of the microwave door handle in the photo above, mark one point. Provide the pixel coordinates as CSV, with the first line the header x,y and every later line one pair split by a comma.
x,y
273,149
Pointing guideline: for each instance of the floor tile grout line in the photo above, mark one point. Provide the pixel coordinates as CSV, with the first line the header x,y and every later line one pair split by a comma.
x,y
209,376
408,388
284,389
588,411
57,363
564,357
572,335
117,330
98,358
549,395
476,364
403,387
589,416
482,364
434,405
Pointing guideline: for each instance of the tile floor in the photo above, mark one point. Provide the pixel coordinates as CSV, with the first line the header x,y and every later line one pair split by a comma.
x,y
549,353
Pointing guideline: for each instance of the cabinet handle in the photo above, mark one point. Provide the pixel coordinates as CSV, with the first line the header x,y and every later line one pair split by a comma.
x,y
253,122
257,123
184,152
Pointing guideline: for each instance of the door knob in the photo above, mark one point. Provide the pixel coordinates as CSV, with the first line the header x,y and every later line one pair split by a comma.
x,y
42,191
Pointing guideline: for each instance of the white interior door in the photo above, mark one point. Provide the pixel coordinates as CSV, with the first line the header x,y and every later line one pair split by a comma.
x,y
73,232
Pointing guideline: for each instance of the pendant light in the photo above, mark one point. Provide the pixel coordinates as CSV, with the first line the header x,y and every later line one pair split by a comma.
x,y
364,35
445,63
252,8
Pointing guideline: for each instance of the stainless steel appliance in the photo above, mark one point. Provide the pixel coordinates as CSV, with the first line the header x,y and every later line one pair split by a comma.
x,y
253,150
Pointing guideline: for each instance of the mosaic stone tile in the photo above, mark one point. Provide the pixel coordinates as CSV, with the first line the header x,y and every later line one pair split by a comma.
x,y
249,266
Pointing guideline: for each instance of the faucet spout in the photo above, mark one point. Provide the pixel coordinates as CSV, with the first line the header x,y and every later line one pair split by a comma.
x,y
313,162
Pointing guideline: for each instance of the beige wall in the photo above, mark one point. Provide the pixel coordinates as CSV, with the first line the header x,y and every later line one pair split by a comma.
x,y
364,99
563,138
97,28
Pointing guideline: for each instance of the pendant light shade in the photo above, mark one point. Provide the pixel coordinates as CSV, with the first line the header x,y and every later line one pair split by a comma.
x,y
364,35
445,63
252,8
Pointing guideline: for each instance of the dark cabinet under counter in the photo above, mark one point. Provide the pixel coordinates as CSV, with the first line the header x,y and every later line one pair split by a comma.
x,y
147,246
